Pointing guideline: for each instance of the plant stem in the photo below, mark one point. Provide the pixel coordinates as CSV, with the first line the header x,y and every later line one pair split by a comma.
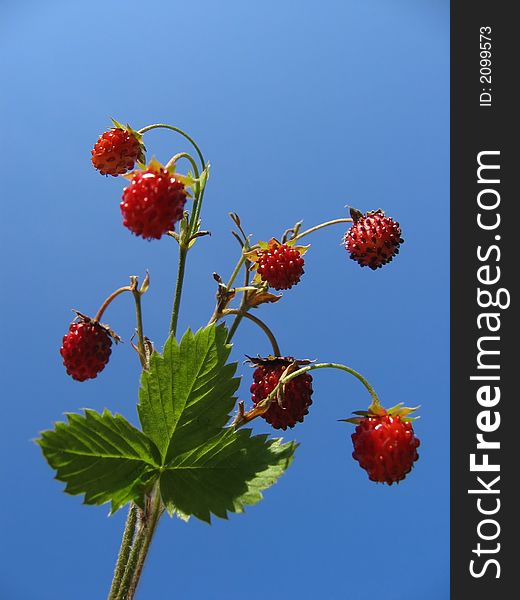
x,y
236,271
133,558
124,551
260,323
217,313
372,392
243,305
106,303
198,197
151,525
196,209
140,336
181,132
320,226
287,375
234,327
183,245
141,525
130,526
183,251
195,212
180,155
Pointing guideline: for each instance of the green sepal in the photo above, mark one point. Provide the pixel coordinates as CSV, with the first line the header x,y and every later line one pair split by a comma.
x,y
138,136
376,410
399,410
155,165
204,176
253,254
190,181
117,124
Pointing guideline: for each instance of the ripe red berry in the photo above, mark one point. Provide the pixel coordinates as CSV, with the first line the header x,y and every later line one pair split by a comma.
x,y
86,348
373,240
153,202
386,447
280,265
116,152
295,401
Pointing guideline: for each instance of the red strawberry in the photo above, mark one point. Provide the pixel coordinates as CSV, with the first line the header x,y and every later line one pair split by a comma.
x,y
280,265
86,348
385,446
294,402
373,240
117,151
153,202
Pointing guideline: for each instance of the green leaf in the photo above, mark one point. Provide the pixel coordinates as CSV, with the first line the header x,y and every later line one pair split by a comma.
x,y
102,456
185,401
187,395
223,475
201,466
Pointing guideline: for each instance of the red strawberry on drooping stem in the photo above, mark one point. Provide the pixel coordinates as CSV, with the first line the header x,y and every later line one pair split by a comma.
x,y
385,444
86,348
374,239
117,150
154,201
293,404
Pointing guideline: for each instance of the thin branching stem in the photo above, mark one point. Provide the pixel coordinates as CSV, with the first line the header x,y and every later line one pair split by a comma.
x,y
108,301
320,226
177,130
260,323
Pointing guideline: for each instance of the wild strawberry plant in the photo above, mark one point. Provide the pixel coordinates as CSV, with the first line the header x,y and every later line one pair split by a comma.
x,y
193,455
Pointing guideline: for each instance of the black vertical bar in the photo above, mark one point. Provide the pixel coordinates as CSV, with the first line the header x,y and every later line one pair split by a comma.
x,y
484,256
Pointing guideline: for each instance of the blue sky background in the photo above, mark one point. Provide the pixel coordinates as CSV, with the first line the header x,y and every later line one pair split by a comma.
x,y
301,107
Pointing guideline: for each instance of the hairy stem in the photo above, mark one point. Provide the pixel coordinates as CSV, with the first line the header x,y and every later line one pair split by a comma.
x,y
133,558
152,521
124,551
131,521
183,251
